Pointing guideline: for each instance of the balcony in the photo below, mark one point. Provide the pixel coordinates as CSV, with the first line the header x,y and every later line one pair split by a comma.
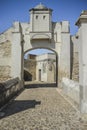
x,y
40,35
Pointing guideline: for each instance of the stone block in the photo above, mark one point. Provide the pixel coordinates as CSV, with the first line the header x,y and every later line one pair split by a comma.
x,y
8,89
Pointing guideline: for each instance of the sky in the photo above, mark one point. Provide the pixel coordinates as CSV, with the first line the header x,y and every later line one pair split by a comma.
x,y
18,10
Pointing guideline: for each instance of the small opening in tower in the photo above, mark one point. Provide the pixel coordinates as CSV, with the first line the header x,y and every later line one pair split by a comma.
x,y
44,17
36,16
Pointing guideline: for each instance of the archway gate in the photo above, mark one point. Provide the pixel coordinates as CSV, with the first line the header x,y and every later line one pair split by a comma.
x,y
43,67
22,42
41,32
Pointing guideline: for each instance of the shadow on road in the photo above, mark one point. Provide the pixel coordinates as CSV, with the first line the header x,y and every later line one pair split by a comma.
x,y
18,106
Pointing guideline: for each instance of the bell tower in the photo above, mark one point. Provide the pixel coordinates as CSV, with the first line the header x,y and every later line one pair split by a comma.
x,y
40,19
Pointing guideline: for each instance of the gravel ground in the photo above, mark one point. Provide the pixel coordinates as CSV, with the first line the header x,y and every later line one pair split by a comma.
x,y
41,109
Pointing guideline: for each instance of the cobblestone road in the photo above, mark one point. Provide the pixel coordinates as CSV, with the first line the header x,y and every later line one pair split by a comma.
x,y
41,109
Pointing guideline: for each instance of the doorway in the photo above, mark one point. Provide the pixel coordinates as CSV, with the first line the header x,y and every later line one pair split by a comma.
x,y
39,74
42,64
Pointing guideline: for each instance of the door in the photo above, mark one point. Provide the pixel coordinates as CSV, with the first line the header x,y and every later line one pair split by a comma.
x,y
39,74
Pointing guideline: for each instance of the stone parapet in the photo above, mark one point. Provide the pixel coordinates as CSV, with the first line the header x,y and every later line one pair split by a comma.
x,y
8,90
71,89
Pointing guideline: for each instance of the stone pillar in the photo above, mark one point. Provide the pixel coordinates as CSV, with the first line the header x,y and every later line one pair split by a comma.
x,y
64,67
82,24
17,53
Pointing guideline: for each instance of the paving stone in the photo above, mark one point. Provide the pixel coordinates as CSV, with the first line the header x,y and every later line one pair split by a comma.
x,y
41,109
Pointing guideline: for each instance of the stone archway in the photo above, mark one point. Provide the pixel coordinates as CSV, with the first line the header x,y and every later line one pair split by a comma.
x,y
41,32
22,44
54,71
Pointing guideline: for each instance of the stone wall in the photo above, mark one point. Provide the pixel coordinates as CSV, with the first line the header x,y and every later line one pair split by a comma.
x,y
5,49
30,66
71,88
5,73
8,90
75,59
75,74
5,60
5,55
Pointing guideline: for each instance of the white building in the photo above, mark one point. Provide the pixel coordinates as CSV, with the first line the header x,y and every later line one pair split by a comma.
x,y
40,68
46,67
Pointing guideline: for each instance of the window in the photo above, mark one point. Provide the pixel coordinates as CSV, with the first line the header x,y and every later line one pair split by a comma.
x,y
44,17
36,16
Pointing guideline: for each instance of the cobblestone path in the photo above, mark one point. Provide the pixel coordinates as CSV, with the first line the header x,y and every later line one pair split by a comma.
x,y
41,109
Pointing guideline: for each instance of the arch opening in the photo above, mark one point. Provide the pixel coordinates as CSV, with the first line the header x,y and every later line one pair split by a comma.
x,y
42,65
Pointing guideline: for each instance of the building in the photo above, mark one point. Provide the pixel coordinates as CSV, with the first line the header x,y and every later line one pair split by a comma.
x,y
40,68
42,32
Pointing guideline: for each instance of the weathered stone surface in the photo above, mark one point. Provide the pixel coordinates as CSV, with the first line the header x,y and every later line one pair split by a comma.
x,y
5,73
75,57
8,89
75,69
5,61
30,66
5,49
6,36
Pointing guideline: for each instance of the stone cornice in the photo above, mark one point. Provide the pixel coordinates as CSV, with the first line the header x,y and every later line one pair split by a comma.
x,y
33,9
82,18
